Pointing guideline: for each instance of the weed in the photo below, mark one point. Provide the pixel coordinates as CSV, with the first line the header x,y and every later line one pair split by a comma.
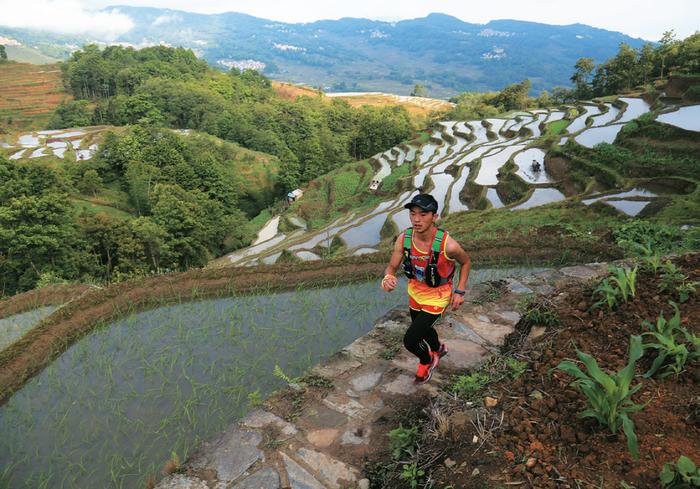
x,y
403,441
465,386
609,396
317,381
412,474
494,290
516,367
674,280
255,398
542,315
682,473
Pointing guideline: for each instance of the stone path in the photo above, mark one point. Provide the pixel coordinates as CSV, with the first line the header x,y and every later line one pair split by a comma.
x,y
321,448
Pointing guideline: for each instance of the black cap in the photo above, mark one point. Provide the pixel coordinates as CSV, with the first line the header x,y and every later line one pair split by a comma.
x,y
425,201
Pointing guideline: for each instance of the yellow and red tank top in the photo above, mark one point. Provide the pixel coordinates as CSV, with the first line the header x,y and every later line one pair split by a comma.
x,y
420,291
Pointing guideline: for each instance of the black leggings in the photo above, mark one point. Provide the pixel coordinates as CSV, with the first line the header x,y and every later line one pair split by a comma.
x,y
421,334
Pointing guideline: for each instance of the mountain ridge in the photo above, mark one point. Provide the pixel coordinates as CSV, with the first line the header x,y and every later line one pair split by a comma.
x,y
439,51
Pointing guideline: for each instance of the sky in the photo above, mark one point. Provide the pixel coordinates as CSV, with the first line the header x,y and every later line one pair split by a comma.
x,y
645,19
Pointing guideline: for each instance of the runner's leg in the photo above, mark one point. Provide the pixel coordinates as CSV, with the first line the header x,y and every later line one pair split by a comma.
x,y
420,332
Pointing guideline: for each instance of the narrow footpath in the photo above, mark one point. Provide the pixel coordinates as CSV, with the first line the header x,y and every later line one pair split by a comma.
x,y
324,445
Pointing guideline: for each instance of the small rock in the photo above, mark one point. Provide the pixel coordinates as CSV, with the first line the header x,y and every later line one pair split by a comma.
x,y
363,484
490,401
475,472
449,463
510,455
475,440
530,462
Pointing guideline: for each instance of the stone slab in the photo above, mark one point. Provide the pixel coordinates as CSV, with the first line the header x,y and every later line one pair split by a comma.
x,y
510,317
336,367
267,478
179,481
342,403
517,288
231,454
364,348
357,436
402,385
299,478
583,272
331,470
464,354
367,381
259,418
492,333
323,438
320,416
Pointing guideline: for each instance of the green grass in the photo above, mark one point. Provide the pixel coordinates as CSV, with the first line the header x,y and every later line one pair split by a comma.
x,y
557,127
89,207
389,184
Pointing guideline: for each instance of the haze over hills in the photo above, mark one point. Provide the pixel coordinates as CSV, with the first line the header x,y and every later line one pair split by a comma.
x,y
443,53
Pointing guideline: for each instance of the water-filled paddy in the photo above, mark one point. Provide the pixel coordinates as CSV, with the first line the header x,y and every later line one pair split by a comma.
x,y
13,327
112,408
687,118
596,135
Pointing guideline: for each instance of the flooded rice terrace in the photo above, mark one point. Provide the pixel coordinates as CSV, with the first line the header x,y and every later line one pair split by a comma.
x,y
113,408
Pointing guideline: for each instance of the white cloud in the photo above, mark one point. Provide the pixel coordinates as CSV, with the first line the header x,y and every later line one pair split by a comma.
x,y
64,16
167,19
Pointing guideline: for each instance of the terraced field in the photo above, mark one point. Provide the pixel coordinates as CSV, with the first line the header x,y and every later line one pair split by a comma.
x,y
469,165
29,94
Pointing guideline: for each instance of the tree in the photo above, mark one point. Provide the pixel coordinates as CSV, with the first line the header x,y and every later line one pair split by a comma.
x,y
514,96
3,54
90,182
582,77
646,61
419,91
666,49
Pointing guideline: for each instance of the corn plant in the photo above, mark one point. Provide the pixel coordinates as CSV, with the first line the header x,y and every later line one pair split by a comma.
x,y
609,396
682,473
620,287
666,335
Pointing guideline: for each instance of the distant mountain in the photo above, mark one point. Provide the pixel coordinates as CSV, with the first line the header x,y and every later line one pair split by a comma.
x,y
443,53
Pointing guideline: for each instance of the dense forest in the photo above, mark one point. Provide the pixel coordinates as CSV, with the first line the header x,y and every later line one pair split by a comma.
x,y
168,87
184,195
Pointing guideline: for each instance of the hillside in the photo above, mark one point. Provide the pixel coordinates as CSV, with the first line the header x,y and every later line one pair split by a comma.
x,y
443,53
600,165
29,94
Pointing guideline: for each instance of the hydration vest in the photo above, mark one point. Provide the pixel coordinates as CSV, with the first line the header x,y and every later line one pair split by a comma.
x,y
432,276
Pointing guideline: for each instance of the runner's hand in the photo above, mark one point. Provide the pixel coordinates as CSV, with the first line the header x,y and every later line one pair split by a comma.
x,y
389,283
456,301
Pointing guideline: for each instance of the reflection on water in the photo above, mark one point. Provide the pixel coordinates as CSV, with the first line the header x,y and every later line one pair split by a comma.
x,y
607,117
455,204
490,165
596,135
366,233
687,118
493,197
635,108
541,196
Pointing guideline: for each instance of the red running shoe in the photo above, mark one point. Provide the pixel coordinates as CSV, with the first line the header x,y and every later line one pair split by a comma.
x,y
423,373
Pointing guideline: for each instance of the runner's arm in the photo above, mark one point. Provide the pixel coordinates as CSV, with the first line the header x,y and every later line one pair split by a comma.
x,y
389,281
455,251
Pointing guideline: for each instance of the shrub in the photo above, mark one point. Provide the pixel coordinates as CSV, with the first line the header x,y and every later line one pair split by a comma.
x,y
609,396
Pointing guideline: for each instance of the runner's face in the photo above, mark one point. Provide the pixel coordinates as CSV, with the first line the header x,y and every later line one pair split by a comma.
x,y
422,220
